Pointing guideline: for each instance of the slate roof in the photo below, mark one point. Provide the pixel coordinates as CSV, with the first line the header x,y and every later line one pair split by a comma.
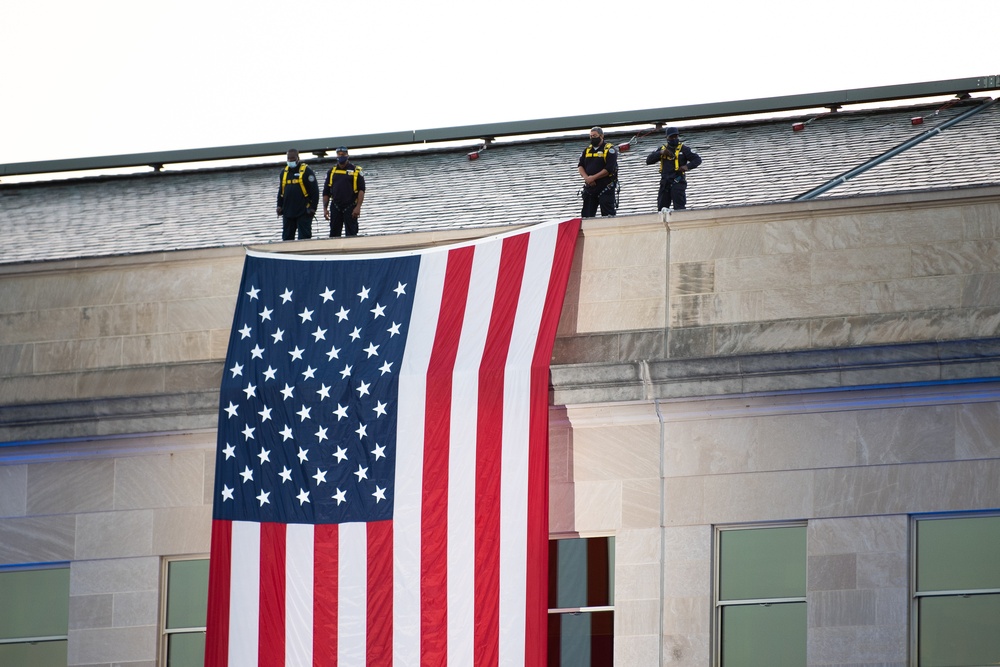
x,y
745,163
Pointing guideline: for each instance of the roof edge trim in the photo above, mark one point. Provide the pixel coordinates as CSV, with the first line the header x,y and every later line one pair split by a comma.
x,y
157,159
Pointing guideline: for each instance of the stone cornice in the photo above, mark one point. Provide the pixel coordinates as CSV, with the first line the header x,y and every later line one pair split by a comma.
x,y
941,362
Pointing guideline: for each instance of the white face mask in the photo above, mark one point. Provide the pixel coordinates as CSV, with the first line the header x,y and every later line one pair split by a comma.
x,y
292,164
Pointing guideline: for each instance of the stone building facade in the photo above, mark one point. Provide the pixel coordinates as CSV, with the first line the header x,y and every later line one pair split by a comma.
x,y
827,367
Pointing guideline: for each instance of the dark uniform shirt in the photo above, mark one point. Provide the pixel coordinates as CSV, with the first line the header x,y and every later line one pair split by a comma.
x,y
292,201
339,184
674,159
593,160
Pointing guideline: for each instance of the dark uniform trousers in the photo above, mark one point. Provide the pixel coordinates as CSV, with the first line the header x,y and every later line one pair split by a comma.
x,y
340,217
592,198
672,189
303,223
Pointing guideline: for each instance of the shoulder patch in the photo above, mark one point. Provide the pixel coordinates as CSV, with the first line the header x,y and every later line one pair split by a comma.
x,y
611,150
311,177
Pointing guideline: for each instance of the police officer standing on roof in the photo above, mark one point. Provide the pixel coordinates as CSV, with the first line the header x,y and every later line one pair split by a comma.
x,y
675,160
343,194
298,196
598,168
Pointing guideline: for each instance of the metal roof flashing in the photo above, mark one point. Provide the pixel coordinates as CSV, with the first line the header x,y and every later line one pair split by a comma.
x,y
830,99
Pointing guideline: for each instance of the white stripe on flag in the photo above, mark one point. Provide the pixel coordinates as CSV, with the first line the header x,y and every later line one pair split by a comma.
x,y
244,585
352,582
462,452
410,458
299,594
514,465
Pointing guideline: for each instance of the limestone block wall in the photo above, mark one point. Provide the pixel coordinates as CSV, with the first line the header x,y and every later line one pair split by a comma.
x,y
619,277
111,509
835,274
113,345
854,465
605,480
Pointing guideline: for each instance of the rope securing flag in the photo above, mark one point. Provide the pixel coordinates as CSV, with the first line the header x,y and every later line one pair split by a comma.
x,y
381,481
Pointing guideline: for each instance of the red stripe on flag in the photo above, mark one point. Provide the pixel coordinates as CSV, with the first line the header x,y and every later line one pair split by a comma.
x,y
217,635
379,634
325,584
437,432
271,629
536,601
489,445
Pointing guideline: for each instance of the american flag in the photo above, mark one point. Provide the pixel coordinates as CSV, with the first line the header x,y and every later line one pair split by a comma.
x,y
381,477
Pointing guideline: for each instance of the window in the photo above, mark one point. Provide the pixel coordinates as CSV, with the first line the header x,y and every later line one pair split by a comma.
x,y
185,606
581,602
34,615
957,590
760,590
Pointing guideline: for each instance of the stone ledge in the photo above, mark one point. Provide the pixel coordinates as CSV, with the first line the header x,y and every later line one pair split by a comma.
x,y
934,362
95,418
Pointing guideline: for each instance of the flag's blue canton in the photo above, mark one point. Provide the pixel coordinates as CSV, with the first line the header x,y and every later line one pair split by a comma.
x,y
307,426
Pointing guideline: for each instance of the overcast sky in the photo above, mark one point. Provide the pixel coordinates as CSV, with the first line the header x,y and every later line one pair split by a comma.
x,y
104,77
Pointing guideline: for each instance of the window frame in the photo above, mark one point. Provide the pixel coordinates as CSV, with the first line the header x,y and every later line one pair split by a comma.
x,y
915,595
576,611
718,605
164,632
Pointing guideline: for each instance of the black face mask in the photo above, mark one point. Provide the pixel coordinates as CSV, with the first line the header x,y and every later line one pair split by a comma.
x,y
595,141
673,141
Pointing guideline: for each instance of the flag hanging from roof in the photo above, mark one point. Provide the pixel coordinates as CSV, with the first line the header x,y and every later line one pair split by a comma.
x,y
381,481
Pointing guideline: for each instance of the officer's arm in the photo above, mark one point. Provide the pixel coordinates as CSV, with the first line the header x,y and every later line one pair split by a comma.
x,y
326,186
583,172
611,162
281,200
693,158
326,195
357,206
312,187
653,157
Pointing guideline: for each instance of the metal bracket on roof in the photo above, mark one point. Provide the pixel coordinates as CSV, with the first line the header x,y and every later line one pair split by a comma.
x,y
910,143
157,166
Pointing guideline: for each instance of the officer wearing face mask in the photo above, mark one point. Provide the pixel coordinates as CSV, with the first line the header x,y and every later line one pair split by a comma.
x,y
298,195
343,194
598,168
675,160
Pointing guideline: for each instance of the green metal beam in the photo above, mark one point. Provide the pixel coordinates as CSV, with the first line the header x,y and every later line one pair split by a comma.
x,y
525,127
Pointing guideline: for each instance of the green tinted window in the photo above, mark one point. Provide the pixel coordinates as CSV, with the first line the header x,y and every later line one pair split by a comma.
x,y
581,572
186,649
762,563
187,593
583,639
35,603
958,554
40,654
754,635
959,630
